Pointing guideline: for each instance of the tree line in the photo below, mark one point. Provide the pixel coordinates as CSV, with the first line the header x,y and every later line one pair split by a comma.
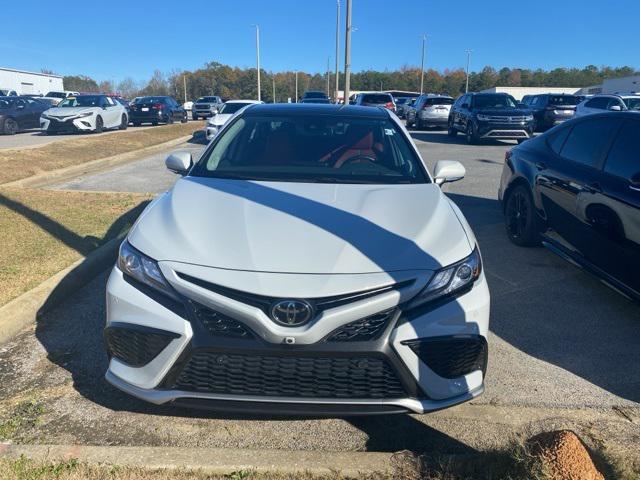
x,y
232,82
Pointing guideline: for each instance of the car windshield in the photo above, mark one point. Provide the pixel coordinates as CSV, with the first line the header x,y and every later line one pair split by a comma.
x,y
376,98
632,103
207,100
494,101
82,101
232,107
439,101
314,95
56,95
564,100
315,100
401,101
149,100
315,149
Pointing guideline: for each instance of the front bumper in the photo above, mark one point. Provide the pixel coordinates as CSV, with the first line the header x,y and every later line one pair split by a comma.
x,y
50,125
506,131
196,358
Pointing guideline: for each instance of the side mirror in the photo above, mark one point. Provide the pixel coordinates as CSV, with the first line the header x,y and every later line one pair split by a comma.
x,y
447,171
615,108
215,111
179,162
522,105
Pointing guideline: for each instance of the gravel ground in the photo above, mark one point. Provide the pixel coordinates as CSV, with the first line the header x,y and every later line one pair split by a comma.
x,y
563,354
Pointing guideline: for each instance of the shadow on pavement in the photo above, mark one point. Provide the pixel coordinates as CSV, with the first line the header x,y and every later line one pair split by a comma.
x,y
434,136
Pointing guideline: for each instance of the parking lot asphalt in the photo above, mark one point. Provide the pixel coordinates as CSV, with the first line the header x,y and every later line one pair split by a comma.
x,y
560,340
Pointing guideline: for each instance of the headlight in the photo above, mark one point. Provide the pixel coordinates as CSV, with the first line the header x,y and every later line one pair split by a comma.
x,y
451,279
47,117
528,118
85,114
142,268
483,118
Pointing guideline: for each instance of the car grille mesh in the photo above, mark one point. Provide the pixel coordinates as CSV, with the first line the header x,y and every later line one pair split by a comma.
x,y
221,325
290,376
136,348
363,330
451,357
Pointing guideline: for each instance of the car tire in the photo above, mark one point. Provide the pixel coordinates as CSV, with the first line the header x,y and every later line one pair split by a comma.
x,y
520,217
99,125
470,135
451,130
169,118
10,127
124,123
194,116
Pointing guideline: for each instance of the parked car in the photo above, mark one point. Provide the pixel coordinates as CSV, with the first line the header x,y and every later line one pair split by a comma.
x,y
576,188
206,107
550,109
313,94
155,110
84,113
20,113
429,111
5,92
375,100
228,109
612,102
489,116
401,104
57,96
188,106
322,270
124,102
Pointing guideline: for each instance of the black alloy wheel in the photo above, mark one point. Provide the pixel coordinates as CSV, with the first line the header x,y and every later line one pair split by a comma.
x,y
521,219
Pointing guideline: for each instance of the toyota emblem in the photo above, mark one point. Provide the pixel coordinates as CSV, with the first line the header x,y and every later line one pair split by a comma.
x,y
291,313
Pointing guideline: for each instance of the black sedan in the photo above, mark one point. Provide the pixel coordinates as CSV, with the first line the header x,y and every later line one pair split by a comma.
x,y
20,113
576,189
156,110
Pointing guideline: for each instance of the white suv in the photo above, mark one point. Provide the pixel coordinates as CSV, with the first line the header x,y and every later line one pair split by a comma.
x,y
612,102
322,271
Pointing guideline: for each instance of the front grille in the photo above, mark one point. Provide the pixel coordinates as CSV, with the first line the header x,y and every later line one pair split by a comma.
x,y
136,346
220,325
507,133
451,357
290,376
505,119
363,330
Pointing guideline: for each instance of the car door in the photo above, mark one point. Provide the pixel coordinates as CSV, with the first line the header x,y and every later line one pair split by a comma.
x,y
595,105
458,111
21,113
464,112
35,108
565,177
613,212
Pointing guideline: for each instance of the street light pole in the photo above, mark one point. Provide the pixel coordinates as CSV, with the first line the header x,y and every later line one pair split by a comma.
x,y
466,88
337,48
258,57
347,55
328,71
184,82
424,41
296,86
274,89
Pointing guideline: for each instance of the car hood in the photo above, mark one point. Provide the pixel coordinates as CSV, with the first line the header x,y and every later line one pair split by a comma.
x,y
68,111
501,112
301,227
220,119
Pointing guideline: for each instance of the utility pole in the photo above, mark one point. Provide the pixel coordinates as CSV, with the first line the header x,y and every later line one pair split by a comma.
x,y
274,89
184,82
466,89
296,86
258,57
328,70
337,48
347,55
424,41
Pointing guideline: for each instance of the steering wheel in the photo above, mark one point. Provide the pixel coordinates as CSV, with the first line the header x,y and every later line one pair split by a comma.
x,y
360,158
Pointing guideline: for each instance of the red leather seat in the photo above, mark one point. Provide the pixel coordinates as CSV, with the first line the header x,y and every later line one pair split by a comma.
x,y
359,141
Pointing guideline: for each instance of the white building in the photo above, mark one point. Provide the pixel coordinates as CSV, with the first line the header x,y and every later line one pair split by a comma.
x,y
519,92
29,82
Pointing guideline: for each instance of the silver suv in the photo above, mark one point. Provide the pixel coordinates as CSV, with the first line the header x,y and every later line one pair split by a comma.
x,y
616,102
429,110
206,107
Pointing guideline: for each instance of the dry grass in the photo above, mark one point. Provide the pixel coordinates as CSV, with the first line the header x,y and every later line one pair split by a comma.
x,y
18,164
44,231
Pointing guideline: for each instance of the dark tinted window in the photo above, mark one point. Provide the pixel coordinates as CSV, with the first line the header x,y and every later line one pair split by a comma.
x,y
588,141
376,98
438,101
632,103
624,157
207,100
233,107
150,100
598,102
314,95
82,101
494,101
564,100
557,138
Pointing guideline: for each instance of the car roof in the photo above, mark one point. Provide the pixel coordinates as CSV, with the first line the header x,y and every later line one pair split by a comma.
x,y
316,109
242,101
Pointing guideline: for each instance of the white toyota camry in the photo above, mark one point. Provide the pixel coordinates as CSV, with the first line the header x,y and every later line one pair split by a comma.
x,y
84,113
307,263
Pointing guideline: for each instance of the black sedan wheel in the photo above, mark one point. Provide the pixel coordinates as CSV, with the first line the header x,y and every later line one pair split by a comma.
x,y
124,122
521,219
10,126
451,131
99,125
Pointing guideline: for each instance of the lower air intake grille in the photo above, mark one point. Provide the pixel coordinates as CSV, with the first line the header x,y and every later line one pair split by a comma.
x,y
219,324
136,346
363,330
451,357
290,376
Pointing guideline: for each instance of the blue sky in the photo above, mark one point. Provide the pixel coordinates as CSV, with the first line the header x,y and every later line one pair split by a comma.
x,y
139,35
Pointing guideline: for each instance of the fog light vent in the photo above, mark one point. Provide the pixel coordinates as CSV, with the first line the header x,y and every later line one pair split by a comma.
x,y
451,356
136,345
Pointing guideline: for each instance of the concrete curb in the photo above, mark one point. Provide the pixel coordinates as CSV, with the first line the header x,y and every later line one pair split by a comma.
x,y
25,310
62,174
216,461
